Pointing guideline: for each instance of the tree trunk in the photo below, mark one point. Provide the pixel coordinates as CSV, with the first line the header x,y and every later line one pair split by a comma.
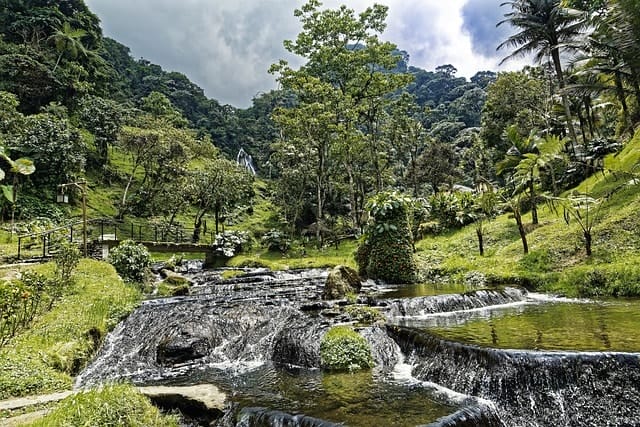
x,y
555,56
534,204
353,197
587,241
216,215
480,240
523,234
197,225
319,212
622,98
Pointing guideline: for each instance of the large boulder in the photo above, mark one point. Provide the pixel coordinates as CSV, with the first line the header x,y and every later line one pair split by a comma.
x,y
341,281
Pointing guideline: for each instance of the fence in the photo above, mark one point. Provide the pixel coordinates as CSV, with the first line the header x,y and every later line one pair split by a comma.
x,y
45,243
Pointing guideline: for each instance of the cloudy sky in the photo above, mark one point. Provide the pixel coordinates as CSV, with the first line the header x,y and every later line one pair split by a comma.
x,y
227,46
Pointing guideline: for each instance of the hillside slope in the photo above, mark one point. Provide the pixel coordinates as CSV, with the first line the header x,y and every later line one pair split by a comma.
x,y
557,260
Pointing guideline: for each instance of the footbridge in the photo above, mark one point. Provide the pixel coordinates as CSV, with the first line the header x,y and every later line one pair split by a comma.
x,y
96,237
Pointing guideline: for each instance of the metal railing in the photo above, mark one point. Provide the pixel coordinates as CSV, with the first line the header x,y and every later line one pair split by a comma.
x,y
44,243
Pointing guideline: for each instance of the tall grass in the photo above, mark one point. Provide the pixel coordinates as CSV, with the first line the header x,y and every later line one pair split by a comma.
x,y
60,342
113,405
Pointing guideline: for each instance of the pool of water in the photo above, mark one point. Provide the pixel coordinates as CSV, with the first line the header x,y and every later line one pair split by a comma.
x,y
425,290
356,399
581,326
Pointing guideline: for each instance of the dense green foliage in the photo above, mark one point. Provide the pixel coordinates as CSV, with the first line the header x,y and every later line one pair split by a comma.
x,y
61,341
386,252
343,349
111,405
33,293
131,260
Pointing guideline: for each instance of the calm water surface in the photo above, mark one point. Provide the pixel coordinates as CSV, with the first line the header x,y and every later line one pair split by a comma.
x,y
597,326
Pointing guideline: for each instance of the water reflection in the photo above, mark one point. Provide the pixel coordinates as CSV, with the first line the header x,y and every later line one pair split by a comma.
x,y
596,326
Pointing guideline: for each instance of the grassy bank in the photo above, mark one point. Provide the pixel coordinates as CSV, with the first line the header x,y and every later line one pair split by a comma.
x,y
557,259
60,342
309,257
114,405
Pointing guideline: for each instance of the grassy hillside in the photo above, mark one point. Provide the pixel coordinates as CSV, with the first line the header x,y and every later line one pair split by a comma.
x,y
557,260
45,357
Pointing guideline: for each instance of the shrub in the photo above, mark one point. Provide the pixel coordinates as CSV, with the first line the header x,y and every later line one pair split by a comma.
x,y
343,349
275,240
230,243
364,314
451,209
131,260
113,405
387,249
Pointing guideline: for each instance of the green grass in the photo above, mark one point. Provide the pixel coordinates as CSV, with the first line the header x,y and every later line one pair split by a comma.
x,y
60,342
557,260
298,258
113,405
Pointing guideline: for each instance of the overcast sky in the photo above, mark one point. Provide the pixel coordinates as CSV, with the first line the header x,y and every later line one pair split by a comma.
x,y
227,46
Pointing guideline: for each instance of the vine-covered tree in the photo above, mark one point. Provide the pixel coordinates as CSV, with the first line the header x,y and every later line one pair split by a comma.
x,y
386,250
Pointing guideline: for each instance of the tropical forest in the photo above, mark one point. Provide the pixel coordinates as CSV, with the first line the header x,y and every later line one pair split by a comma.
x,y
369,243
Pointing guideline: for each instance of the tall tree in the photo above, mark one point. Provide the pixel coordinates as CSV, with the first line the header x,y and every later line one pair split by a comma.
x,y
218,187
544,26
346,81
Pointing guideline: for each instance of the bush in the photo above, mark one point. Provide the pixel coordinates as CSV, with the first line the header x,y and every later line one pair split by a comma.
x,y
364,314
343,349
386,251
230,243
451,209
275,241
131,260
114,405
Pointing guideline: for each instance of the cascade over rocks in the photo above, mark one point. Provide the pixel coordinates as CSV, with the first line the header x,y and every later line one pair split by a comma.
x,y
182,349
246,331
531,388
261,417
341,281
456,302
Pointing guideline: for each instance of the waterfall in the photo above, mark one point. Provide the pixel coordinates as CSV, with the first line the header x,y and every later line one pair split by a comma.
x,y
245,160
531,388
456,302
261,417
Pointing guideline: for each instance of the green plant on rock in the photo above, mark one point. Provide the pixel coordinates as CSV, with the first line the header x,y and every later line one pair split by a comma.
x,y
386,251
343,349
364,314
131,260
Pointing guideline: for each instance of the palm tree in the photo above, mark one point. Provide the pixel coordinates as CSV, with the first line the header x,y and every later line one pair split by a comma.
x,y
526,160
544,26
68,40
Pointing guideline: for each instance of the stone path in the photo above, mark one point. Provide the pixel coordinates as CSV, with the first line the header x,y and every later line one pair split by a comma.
x,y
24,402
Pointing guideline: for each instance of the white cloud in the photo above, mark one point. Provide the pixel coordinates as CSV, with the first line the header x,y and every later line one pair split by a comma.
x,y
226,47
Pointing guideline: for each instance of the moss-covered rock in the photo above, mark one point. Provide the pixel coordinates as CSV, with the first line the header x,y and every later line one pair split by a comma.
x,y
173,278
341,281
343,349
